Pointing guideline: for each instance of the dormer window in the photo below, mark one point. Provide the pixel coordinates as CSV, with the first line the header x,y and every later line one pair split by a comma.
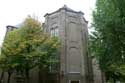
x,y
54,31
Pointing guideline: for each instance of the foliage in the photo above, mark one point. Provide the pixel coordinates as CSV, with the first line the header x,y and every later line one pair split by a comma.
x,y
107,43
28,47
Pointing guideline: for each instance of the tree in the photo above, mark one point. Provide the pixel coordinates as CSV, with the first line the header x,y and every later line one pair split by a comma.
x,y
39,45
28,47
2,67
107,43
9,58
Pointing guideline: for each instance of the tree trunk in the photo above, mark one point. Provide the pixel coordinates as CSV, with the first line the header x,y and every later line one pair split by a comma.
x,y
103,77
27,76
9,75
1,77
42,75
114,80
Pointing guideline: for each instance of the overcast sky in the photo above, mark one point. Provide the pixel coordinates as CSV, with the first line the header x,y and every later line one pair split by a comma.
x,y
13,12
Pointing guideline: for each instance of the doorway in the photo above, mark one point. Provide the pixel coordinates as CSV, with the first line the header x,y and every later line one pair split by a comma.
x,y
74,81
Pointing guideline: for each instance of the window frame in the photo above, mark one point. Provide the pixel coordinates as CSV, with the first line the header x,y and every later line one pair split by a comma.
x,y
54,31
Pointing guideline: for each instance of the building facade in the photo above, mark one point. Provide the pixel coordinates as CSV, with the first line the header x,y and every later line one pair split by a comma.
x,y
76,65
71,28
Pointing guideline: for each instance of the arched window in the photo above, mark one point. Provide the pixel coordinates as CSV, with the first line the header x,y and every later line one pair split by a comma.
x,y
54,31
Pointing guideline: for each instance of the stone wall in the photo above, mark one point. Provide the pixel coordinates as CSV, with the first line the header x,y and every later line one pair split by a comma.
x,y
75,63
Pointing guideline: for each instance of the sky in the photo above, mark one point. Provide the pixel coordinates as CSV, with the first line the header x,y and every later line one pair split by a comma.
x,y
13,12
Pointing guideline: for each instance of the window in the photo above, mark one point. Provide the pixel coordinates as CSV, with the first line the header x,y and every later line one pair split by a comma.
x,y
54,64
55,31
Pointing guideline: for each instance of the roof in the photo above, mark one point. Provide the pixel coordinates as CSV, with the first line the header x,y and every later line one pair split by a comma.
x,y
15,26
10,26
65,8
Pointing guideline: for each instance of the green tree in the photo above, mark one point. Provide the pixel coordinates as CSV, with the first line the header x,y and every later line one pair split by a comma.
x,y
107,43
29,47
10,53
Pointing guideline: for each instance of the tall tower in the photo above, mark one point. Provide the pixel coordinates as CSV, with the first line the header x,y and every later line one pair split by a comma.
x,y
71,28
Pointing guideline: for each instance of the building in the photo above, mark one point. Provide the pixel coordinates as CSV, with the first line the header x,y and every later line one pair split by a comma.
x,y
71,27
75,62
